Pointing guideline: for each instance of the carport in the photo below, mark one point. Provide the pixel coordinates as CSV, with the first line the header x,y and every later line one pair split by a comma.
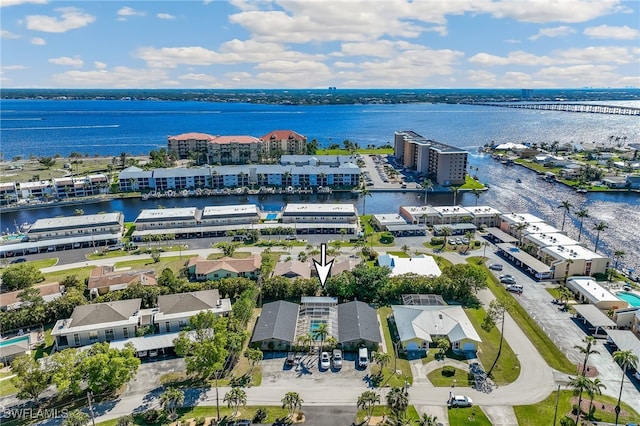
x,y
145,344
408,229
624,340
594,316
538,269
498,235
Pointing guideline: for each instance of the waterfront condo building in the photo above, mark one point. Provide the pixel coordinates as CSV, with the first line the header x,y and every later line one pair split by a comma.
x,y
234,150
279,142
187,143
444,164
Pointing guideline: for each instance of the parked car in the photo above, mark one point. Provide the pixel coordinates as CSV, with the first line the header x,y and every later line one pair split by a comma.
x,y
459,401
291,359
241,422
637,375
496,266
336,359
325,361
507,279
515,288
363,357
19,260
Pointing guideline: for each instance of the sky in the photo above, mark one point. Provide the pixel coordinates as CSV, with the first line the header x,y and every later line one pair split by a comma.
x,y
294,44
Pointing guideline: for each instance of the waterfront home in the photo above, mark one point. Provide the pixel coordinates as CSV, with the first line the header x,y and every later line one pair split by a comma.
x,y
382,221
573,260
8,193
94,225
446,164
484,216
587,290
192,143
352,324
420,325
135,179
97,322
209,270
422,265
317,160
279,142
175,310
425,215
321,218
37,189
240,214
67,187
105,278
175,218
615,182
453,214
234,150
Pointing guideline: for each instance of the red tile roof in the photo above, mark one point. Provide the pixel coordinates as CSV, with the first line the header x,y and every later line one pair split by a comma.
x,y
282,135
192,136
235,139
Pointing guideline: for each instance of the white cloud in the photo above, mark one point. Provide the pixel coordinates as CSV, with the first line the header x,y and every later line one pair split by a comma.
x,y
4,3
541,11
118,77
580,75
8,34
586,55
38,41
67,61
13,67
198,77
553,32
72,18
518,57
99,65
125,12
617,33
165,16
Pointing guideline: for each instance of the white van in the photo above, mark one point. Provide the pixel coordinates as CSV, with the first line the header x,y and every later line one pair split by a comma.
x,y
515,288
363,357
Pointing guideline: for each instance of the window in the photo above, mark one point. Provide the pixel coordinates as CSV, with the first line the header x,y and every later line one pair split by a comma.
x,y
76,339
125,333
93,336
167,327
109,335
182,323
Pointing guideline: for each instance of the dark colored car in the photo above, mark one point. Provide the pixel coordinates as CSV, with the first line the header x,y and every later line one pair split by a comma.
x,y
19,260
291,359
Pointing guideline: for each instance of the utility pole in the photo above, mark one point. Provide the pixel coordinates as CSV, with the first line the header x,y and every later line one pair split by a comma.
x,y
217,400
89,396
555,413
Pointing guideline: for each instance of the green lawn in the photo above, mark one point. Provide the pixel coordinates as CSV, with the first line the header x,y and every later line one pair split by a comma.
x,y
175,263
541,414
45,350
57,276
235,255
468,416
7,387
399,254
534,332
507,369
461,378
365,151
470,184
382,409
400,363
43,263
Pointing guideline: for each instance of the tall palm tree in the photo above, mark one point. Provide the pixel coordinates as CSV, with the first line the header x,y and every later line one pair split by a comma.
x,y
367,401
171,399
582,214
445,231
322,331
426,185
595,388
234,398
625,359
292,402
365,193
455,189
598,228
567,206
477,194
579,384
519,228
398,399
587,350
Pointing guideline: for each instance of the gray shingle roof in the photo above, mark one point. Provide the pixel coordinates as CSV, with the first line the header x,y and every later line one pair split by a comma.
x,y
188,302
98,313
277,321
357,321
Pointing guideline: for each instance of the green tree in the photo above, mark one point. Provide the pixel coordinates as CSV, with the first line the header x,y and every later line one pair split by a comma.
x,y
625,359
566,206
322,331
382,359
305,340
367,401
78,212
455,189
155,255
427,185
125,420
21,275
466,278
206,353
171,399
227,248
254,356
31,377
76,418
443,344
445,232
47,162
33,305
292,402
72,281
498,309
579,384
581,214
365,193
235,398
587,350
107,369
65,374
599,228
595,388
63,306
617,256
398,399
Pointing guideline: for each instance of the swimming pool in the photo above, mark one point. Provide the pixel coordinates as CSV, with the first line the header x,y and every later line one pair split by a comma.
x,y
632,298
272,216
313,326
13,340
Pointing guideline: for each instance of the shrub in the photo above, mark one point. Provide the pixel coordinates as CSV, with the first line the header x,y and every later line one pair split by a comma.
x,y
599,276
386,238
260,415
448,371
152,416
125,421
437,241
200,421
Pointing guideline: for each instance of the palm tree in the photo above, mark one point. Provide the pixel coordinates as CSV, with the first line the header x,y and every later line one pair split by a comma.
x,y
567,206
305,340
595,388
625,359
455,189
426,185
599,227
587,350
234,398
322,331
581,214
171,399
469,236
367,401
427,420
365,193
579,384
398,399
382,359
404,248
485,244
477,194
292,402
519,228
445,231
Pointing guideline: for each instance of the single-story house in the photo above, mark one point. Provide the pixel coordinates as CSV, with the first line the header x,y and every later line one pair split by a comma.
x,y
104,279
227,267
292,269
11,300
421,265
419,325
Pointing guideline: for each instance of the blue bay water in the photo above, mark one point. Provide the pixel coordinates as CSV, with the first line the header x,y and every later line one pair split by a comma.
x,y
47,127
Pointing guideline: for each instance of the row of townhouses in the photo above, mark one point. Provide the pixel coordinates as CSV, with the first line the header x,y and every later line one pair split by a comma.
x,y
64,187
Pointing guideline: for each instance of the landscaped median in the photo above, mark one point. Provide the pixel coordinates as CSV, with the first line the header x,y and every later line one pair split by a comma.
x,y
546,347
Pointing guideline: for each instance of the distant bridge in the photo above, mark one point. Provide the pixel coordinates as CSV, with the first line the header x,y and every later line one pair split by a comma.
x,y
589,108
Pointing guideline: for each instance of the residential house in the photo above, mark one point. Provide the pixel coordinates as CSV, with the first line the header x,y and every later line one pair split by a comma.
x,y
11,300
420,265
227,267
104,279
175,310
292,269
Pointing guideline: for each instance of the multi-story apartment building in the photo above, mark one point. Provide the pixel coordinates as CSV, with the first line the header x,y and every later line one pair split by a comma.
x,y
234,150
444,164
279,142
186,143
76,226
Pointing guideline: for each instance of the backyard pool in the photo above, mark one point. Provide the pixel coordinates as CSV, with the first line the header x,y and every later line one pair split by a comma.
x,y
313,326
13,340
272,216
632,298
